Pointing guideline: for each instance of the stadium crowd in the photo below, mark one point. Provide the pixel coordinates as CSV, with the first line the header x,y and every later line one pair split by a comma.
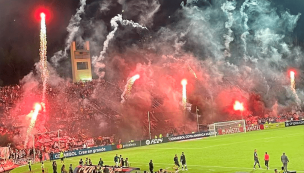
x,y
74,134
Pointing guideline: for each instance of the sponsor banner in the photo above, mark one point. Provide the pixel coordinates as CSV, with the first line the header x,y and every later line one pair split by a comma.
x,y
84,151
154,141
274,125
230,130
126,145
90,169
189,136
254,127
294,123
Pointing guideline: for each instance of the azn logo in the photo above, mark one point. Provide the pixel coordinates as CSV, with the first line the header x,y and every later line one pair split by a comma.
x,y
119,146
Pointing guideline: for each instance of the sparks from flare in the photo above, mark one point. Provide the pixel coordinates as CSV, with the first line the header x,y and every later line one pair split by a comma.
x,y
43,57
293,86
184,99
128,87
292,80
33,114
192,71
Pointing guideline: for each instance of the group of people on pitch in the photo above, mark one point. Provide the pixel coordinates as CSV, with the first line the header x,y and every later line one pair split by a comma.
x,y
284,160
120,162
182,160
176,163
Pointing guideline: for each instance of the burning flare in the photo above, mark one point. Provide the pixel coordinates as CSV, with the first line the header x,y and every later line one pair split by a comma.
x,y
238,106
292,80
34,113
128,87
184,99
43,58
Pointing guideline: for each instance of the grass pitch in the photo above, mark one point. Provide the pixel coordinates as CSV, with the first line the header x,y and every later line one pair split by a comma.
x,y
221,154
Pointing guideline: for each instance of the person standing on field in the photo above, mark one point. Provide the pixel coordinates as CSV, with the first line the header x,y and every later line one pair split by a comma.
x,y
176,161
151,166
284,160
256,159
266,158
183,161
116,160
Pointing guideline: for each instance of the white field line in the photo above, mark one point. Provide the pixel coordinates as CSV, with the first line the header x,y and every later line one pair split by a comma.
x,y
295,134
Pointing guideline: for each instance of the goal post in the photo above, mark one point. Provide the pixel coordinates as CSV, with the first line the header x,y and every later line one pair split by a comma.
x,y
229,127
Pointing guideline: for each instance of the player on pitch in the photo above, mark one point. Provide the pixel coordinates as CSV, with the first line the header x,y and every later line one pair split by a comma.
x,y
256,159
183,160
266,158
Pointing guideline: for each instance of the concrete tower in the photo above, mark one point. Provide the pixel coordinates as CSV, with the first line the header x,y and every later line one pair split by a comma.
x,y
81,63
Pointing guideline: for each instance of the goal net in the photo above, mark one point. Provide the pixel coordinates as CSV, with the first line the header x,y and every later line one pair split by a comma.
x,y
229,127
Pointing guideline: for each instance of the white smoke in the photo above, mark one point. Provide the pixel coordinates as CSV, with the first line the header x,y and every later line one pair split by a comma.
x,y
114,23
72,29
228,7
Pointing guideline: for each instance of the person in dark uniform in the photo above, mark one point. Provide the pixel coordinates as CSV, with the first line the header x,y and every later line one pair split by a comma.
x,y
256,159
80,162
116,160
151,166
54,167
122,162
51,156
40,156
70,169
100,162
183,161
30,165
176,160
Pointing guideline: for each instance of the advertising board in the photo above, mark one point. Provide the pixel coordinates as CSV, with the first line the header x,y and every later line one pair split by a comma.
x,y
189,136
230,130
84,151
274,125
294,123
154,141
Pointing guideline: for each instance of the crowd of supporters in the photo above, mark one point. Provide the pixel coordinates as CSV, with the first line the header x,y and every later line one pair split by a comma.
x,y
72,104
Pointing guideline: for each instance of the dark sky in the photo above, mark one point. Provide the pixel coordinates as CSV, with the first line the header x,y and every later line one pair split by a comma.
x,y
19,30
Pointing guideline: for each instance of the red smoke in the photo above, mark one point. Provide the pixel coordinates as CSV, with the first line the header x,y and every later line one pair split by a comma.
x,y
45,11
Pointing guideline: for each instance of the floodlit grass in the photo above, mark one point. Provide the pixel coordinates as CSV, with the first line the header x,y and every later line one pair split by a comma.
x,y
228,153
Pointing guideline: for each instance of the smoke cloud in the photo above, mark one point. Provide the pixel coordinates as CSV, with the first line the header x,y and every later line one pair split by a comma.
x,y
227,51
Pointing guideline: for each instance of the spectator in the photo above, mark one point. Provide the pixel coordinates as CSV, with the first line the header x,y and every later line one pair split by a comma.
x,y
99,169
282,171
106,170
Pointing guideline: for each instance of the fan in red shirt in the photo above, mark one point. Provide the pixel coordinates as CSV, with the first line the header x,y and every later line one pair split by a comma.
x,y
266,158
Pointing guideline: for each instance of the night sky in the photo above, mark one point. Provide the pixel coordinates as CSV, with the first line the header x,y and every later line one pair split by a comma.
x,y
19,30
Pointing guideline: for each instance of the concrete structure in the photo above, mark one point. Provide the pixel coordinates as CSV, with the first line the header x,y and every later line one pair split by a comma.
x,y
81,63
